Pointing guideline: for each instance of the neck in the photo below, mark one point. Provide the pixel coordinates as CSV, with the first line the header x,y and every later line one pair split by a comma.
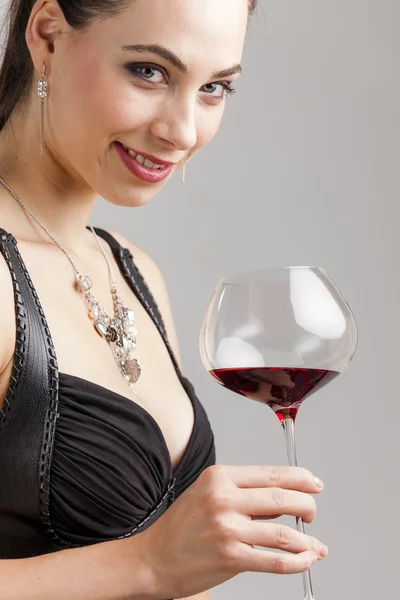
x,y
60,199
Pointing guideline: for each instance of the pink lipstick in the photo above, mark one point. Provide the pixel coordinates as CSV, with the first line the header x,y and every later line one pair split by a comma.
x,y
147,174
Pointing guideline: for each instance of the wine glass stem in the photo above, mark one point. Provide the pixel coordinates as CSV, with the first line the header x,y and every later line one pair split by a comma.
x,y
288,428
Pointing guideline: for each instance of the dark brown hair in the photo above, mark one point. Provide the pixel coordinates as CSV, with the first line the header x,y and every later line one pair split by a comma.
x,y
17,70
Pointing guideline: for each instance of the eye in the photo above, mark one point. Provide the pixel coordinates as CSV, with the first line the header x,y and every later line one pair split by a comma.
x,y
219,89
149,73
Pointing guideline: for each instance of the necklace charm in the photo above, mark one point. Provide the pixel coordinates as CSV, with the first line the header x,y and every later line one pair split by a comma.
x,y
131,370
119,331
84,283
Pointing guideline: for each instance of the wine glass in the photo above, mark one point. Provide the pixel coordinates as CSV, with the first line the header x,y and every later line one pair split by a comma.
x,y
276,336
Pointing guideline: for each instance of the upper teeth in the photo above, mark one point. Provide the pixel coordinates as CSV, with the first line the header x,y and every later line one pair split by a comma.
x,y
143,161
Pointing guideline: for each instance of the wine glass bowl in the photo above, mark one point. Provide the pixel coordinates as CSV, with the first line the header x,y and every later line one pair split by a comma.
x,y
277,336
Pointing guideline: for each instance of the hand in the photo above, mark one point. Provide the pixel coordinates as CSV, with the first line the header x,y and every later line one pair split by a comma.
x,y
207,536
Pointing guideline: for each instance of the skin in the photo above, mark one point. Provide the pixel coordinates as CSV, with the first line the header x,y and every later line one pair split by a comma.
x,y
93,101
90,107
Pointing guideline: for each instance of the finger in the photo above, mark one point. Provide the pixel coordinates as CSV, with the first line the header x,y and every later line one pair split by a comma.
x,y
264,476
276,501
263,561
281,537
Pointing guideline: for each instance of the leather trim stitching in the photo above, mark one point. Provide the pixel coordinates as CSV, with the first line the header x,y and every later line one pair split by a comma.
x,y
51,415
128,268
19,351
170,492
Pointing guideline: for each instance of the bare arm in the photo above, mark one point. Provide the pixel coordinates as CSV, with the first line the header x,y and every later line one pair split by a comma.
x,y
113,570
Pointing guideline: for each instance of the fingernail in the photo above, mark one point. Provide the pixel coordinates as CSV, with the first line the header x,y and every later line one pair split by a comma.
x,y
319,482
323,550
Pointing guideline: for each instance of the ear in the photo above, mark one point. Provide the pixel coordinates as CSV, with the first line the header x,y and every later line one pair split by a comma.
x,y
46,23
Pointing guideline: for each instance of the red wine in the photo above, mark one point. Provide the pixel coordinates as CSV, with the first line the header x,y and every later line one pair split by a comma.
x,y
284,390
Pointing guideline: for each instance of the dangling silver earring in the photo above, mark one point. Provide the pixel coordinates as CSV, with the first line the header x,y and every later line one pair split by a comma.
x,y
184,173
42,93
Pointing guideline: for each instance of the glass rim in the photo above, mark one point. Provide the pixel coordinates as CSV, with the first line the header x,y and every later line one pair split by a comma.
x,y
230,279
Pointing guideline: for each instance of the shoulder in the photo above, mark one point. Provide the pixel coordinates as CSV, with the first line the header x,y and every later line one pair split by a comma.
x,y
7,315
157,285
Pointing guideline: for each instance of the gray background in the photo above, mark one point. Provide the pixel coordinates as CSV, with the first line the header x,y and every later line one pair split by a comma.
x,y
314,127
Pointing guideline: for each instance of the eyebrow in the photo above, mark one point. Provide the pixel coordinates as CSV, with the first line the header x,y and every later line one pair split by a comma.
x,y
175,60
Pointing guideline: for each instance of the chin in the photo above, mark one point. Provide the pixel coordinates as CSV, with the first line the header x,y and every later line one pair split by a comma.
x,y
130,200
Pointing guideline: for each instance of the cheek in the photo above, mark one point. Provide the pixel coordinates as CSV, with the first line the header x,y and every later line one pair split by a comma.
x,y
108,102
102,100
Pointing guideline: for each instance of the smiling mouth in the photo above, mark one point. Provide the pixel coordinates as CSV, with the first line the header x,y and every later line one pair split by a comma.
x,y
143,167
142,160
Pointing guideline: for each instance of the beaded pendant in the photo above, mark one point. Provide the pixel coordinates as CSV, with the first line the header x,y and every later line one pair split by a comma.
x,y
119,330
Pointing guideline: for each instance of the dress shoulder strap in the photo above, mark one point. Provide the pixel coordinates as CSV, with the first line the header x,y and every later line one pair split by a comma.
x,y
137,283
28,416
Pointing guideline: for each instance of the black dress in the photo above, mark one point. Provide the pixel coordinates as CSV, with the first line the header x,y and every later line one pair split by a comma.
x,y
79,463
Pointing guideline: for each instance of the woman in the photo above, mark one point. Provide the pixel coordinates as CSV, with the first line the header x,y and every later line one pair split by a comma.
x,y
106,493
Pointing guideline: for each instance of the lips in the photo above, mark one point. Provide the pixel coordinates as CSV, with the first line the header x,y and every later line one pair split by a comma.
x,y
154,159
140,171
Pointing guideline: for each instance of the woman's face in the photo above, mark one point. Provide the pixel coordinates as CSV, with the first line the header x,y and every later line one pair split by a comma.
x,y
165,101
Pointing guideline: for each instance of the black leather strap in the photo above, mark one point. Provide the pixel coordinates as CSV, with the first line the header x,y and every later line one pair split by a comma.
x,y
27,426
137,283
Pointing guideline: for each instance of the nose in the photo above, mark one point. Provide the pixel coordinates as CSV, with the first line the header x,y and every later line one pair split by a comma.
x,y
176,123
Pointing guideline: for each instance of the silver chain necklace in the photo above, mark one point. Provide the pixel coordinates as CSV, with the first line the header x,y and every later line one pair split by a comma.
x,y
118,330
